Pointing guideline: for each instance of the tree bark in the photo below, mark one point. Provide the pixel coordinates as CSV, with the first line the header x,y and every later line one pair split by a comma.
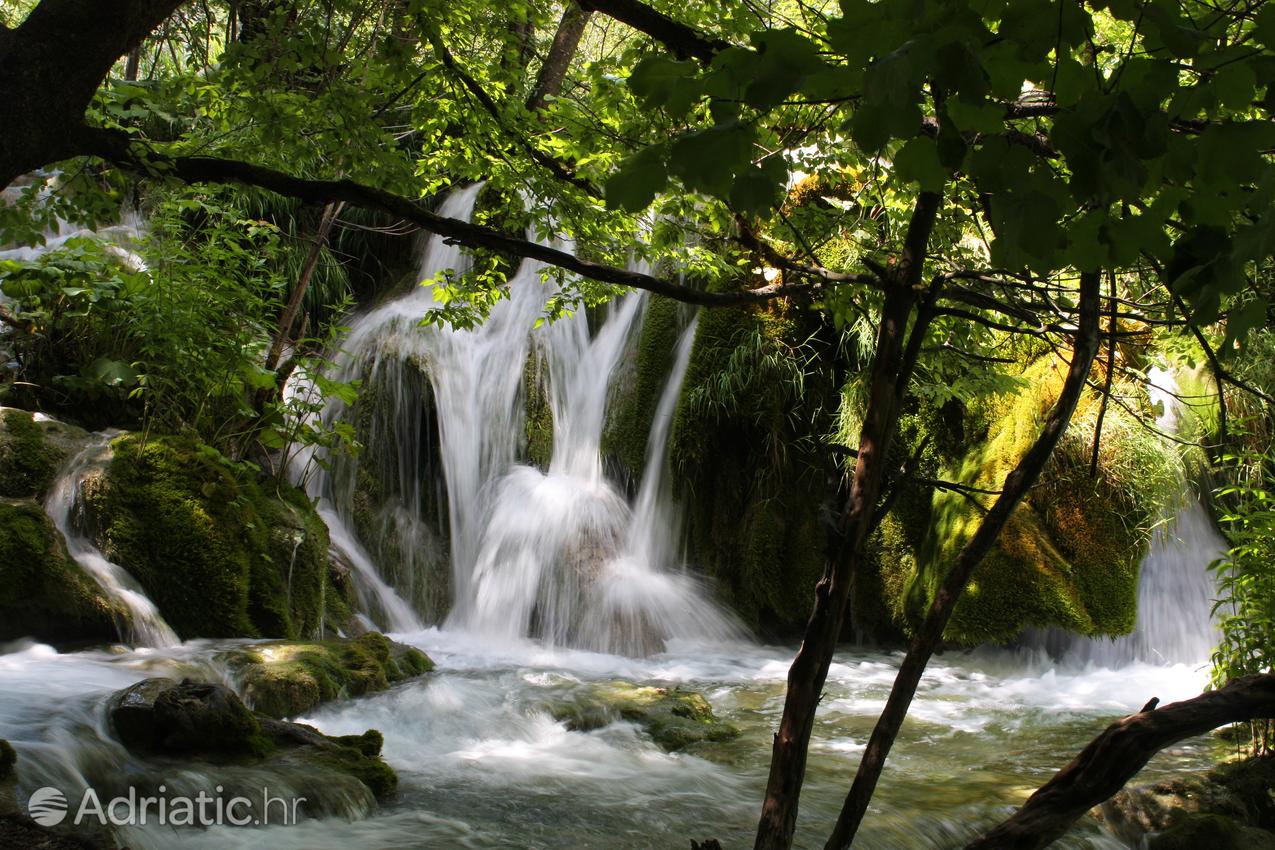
x,y
928,636
554,70
50,68
677,37
289,318
1114,757
890,372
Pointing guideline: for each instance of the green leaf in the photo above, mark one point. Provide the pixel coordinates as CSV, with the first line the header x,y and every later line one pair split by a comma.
x,y
708,160
1239,322
918,162
112,373
639,179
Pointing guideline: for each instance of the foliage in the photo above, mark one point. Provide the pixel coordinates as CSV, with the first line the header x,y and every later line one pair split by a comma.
x,y
1246,586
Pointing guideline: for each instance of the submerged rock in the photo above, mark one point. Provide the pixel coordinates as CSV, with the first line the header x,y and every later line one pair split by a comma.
x,y
44,593
287,679
161,719
674,718
1232,806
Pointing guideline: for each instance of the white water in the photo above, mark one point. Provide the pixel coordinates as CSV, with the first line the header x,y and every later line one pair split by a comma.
x,y
482,764
146,627
556,553
1175,588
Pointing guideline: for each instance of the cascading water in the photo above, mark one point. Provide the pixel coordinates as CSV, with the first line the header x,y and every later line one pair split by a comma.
x,y
1175,589
555,554
146,626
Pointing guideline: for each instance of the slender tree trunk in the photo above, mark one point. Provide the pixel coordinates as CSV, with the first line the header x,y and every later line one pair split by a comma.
x,y
561,52
890,373
289,317
133,64
1110,760
927,638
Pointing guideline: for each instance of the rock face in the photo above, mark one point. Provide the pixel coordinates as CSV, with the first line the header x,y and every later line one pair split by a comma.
x,y
674,718
288,679
28,462
1229,808
44,594
218,554
165,719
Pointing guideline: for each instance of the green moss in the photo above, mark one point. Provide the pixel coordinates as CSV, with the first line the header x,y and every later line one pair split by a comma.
x,y
1193,830
290,679
674,718
1069,554
43,593
746,462
28,463
639,388
217,554
353,761
538,412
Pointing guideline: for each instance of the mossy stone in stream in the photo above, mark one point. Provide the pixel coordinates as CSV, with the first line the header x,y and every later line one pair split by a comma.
x,y
28,463
44,594
674,718
1196,830
218,554
289,679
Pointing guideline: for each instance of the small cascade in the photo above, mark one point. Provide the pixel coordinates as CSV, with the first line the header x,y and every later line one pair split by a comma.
x,y
1175,588
147,626
556,554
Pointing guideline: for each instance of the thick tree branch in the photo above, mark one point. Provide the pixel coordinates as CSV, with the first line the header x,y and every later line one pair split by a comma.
x,y
1114,757
565,41
677,37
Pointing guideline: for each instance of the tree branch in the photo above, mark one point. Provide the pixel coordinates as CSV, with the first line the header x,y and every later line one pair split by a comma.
x,y
114,147
677,37
1114,757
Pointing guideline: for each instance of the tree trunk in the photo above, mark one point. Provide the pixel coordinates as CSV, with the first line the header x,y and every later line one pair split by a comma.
x,y
289,317
891,370
927,638
561,52
1110,760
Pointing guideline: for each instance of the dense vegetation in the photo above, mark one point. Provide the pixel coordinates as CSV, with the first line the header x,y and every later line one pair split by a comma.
x,y
903,214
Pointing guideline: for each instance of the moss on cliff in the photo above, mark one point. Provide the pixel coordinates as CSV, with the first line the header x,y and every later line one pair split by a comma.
x,y
43,593
219,556
28,463
1069,555
747,463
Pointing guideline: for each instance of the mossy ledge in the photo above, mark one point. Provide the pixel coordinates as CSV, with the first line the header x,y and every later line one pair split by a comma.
x,y
674,718
218,554
28,462
288,679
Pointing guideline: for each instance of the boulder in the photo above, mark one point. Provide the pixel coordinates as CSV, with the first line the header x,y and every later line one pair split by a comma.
x,y
289,678
675,718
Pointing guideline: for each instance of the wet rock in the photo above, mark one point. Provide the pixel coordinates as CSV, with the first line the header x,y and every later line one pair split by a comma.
x,y
287,679
674,718
162,720
1233,805
28,463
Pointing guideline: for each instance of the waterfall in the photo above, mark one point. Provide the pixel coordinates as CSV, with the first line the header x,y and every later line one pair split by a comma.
x,y
147,626
556,554
1175,588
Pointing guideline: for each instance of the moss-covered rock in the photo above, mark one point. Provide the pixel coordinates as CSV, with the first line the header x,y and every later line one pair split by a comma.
x,y
217,553
289,679
44,594
747,462
537,412
28,463
674,718
1070,553
1231,806
162,720
640,382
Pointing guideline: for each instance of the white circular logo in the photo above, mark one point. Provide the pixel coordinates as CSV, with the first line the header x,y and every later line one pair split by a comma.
x,y
47,806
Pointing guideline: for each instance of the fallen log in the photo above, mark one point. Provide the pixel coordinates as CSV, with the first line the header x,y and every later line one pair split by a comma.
x,y
1123,748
